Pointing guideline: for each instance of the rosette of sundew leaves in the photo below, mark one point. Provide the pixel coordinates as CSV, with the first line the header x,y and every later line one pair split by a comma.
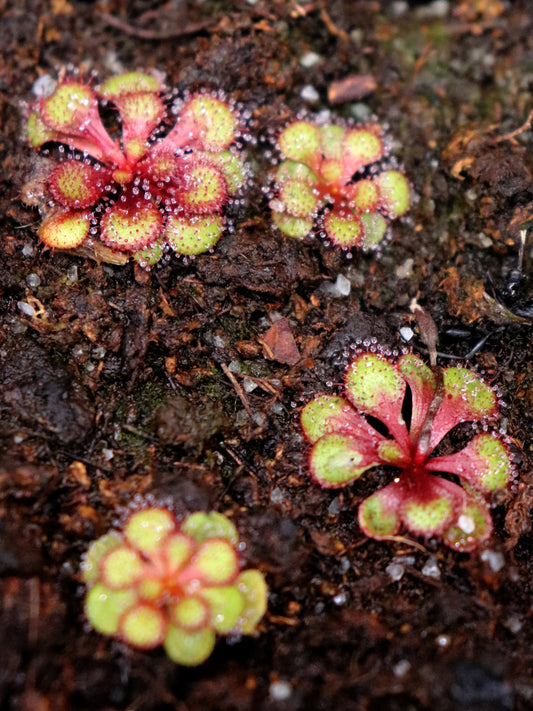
x,y
366,428
179,584
137,193
331,180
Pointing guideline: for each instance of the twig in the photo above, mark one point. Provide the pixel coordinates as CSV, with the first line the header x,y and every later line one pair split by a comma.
x,y
240,392
179,31
407,542
526,126
263,383
238,460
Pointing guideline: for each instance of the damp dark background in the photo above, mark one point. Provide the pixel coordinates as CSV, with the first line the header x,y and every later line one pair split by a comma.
x,y
114,382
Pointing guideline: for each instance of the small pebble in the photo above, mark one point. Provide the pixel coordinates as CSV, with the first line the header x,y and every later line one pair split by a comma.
x,y
361,111
495,560
341,598
344,565
484,240
44,86
431,569
309,94
398,8
258,418
26,308
395,571
437,10
513,624
323,117
406,269
401,668
406,334
27,250
276,496
72,273
280,690
33,280
310,59
248,385
335,506
234,366
340,288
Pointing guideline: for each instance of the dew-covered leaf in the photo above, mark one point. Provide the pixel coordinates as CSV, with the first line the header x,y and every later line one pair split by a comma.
x,y
484,462
466,398
338,459
376,387
378,515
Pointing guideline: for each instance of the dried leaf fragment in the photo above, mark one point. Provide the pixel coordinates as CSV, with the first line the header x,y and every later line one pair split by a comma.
x,y
351,88
279,344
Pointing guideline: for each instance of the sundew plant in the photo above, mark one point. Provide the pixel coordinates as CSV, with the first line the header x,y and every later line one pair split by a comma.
x,y
394,412
177,584
130,187
332,179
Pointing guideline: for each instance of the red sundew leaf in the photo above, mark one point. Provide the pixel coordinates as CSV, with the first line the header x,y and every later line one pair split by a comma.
x,y
329,413
65,230
344,230
204,122
131,229
215,563
466,398
338,459
77,185
39,134
485,463
193,235
378,515
140,112
204,188
190,613
72,110
428,509
376,387
130,83
422,382
162,166
178,549
362,146
121,568
279,344
472,527
394,193
362,196
300,141
143,626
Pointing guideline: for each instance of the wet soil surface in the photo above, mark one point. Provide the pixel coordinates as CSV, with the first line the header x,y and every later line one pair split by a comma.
x,y
114,382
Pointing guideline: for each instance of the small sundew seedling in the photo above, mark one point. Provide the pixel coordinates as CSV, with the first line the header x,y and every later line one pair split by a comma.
x,y
139,193
345,445
331,178
177,584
